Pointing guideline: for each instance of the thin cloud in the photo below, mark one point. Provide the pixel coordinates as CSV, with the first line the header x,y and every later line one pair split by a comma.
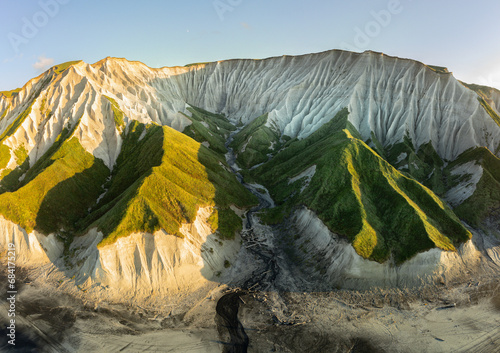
x,y
15,57
43,63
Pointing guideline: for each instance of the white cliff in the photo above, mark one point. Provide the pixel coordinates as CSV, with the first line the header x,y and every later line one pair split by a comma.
x,y
385,95
139,267
31,249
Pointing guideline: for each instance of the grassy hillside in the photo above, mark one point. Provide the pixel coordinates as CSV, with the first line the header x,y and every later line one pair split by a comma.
x,y
59,195
359,195
422,164
160,181
209,128
484,205
254,142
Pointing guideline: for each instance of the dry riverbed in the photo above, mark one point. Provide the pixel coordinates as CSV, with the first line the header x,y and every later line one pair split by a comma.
x,y
464,318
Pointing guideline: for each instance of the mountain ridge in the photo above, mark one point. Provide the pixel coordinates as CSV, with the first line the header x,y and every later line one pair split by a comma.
x,y
403,131
184,70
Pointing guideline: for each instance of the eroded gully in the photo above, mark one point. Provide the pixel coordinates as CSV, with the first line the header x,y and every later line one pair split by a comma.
x,y
259,242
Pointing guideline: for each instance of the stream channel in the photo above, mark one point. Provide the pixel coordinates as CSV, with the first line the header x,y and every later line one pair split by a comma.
x,y
262,248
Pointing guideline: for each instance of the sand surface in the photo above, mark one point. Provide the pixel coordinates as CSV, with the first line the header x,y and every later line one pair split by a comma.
x,y
463,318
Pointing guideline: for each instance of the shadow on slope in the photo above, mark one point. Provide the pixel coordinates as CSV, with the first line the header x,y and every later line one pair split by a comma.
x,y
358,195
65,186
163,177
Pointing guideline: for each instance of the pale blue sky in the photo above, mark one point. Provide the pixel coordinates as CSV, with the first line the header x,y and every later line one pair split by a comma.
x,y
462,35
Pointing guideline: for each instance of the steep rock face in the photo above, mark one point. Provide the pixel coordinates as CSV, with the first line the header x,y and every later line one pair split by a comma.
x,y
31,248
139,266
145,264
489,94
336,262
385,95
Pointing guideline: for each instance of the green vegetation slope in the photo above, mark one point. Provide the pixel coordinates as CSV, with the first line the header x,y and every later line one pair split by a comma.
x,y
159,181
359,195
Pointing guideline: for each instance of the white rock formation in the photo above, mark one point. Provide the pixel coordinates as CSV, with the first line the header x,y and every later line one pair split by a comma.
x,y
385,95
139,266
30,249
461,192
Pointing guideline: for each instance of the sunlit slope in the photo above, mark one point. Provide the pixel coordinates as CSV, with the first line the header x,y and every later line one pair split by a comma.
x,y
359,195
160,180
54,199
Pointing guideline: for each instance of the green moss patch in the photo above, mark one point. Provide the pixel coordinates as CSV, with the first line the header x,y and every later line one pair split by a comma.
x,y
209,127
439,69
225,222
11,93
484,92
491,112
21,154
4,156
58,69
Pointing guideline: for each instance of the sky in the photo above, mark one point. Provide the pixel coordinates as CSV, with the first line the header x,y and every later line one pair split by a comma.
x,y
36,34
